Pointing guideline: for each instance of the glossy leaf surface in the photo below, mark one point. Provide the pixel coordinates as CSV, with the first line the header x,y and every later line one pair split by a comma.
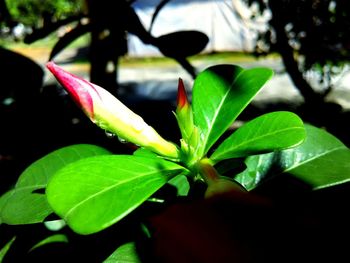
x,y
93,193
25,204
321,161
220,94
266,133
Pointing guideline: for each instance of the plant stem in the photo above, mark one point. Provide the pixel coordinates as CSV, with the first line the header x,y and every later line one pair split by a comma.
x,y
207,171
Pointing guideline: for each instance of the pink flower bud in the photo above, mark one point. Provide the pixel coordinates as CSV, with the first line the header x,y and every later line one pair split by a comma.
x,y
110,114
184,113
182,100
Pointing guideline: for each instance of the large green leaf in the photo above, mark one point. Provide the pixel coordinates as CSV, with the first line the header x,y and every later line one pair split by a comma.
x,y
320,161
94,193
220,94
25,204
267,133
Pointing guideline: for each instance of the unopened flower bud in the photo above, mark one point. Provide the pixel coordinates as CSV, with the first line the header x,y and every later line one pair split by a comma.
x,y
110,114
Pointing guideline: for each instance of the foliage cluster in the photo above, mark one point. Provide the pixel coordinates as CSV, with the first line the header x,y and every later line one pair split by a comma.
x,y
90,188
33,13
309,35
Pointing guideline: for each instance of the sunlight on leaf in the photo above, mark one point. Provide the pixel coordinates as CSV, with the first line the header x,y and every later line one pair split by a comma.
x,y
25,204
94,193
230,89
320,161
266,133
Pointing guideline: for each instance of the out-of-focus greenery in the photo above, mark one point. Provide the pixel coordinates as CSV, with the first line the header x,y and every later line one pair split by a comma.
x,y
28,12
310,36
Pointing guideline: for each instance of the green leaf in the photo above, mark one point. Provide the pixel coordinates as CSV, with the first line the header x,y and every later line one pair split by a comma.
x,y
6,248
22,206
145,153
126,253
57,238
220,94
181,184
25,204
94,193
320,161
40,171
267,133
231,167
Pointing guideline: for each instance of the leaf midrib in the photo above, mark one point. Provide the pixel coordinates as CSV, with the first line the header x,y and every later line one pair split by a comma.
x,y
109,188
313,158
217,111
258,138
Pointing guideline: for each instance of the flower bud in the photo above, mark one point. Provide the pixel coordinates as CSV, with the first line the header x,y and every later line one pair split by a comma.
x,y
184,113
110,114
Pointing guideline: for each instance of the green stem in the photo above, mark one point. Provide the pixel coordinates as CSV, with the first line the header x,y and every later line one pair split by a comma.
x,y
207,171
217,184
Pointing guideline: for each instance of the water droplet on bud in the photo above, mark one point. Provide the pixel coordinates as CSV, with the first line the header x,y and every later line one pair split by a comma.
x,y
122,140
109,134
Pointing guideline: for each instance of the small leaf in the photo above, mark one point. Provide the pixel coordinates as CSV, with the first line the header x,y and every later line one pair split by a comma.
x,y
94,193
267,133
159,7
220,94
321,161
22,205
6,248
181,183
57,238
126,253
188,43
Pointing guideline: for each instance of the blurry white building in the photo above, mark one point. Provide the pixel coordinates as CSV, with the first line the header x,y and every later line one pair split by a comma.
x,y
225,22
